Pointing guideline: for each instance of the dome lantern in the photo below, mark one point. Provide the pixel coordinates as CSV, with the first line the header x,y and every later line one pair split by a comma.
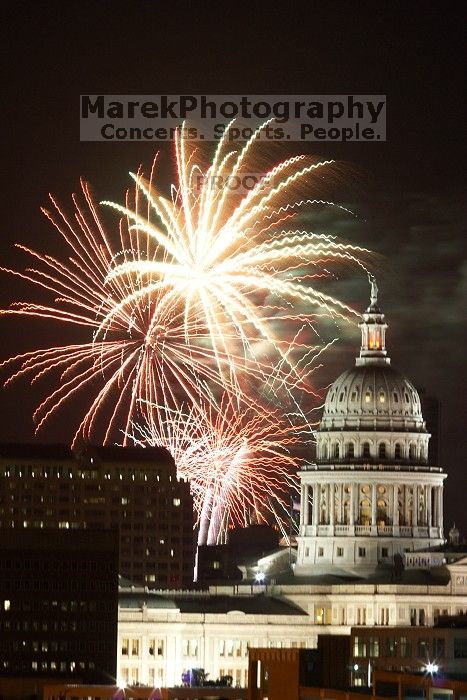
x,y
373,328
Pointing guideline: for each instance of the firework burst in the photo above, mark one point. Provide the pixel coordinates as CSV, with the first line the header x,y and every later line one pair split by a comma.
x,y
232,262
240,465
201,294
137,350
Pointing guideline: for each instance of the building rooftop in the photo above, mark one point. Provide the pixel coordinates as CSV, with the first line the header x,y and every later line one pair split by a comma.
x,y
186,602
107,453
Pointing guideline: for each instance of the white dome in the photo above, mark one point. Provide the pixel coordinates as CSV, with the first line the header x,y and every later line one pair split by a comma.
x,y
372,396
372,412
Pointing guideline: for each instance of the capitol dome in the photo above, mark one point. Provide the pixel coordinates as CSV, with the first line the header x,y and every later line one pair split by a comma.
x,y
372,410
372,395
371,494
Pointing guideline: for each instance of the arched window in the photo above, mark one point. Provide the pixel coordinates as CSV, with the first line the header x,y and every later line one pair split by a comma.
x,y
324,451
382,450
381,512
350,450
366,449
412,452
382,396
336,450
398,451
368,396
365,512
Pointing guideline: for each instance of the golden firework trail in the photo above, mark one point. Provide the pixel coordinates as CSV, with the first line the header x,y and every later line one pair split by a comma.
x,y
228,262
198,294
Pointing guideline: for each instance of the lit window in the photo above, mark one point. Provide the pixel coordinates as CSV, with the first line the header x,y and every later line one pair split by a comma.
x,y
216,565
359,648
404,647
176,502
190,647
156,647
367,396
6,605
382,397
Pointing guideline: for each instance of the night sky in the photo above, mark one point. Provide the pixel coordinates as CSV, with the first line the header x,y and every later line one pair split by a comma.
x,y
409,199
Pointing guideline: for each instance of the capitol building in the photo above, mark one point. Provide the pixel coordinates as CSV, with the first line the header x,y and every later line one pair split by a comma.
x,y
371,545
371,494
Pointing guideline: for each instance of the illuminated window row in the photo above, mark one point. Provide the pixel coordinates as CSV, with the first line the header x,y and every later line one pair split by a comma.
x,y
58,606
383,451
132,647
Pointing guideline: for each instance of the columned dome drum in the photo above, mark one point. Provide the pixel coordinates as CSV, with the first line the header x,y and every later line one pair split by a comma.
x,y
371,493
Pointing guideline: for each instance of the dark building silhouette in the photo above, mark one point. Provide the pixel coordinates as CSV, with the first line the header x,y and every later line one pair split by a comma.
x,y
58,604
218,563
131,489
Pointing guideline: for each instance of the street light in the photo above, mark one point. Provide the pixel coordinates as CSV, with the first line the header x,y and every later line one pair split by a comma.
x,y
431,667
259,577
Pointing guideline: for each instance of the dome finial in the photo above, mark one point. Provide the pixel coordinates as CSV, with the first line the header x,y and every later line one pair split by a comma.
x,y
374,290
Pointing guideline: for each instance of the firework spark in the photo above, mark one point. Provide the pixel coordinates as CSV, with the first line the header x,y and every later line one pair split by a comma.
x,y
228,262
190,299
240,465
138,353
